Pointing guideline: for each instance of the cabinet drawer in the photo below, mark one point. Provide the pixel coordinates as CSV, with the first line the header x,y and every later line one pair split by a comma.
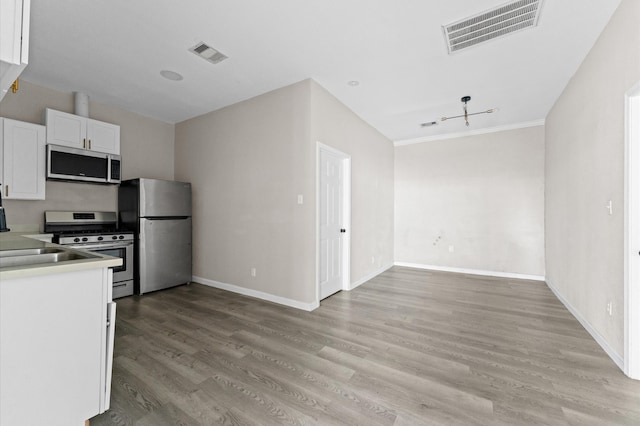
x,y
122,289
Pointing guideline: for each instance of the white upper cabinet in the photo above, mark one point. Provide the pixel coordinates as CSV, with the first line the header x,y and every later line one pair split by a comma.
x,y
66,129
103,137
81,132
22,166
14,41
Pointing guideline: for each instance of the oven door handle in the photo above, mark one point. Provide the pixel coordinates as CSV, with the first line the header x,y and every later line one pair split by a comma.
x,y
101,246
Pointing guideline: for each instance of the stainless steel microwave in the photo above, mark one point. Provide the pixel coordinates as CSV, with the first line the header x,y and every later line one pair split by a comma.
x,y
72,164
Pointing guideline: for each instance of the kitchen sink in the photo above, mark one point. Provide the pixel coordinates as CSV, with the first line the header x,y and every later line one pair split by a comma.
x,y
30,252
48,255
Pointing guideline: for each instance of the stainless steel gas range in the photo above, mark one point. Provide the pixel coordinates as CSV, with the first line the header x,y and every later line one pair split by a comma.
x,y
96,232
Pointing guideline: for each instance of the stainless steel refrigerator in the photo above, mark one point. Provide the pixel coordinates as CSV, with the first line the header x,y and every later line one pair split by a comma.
x,y
159,212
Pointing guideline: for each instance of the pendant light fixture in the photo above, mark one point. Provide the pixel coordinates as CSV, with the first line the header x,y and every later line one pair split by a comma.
x,y
466,114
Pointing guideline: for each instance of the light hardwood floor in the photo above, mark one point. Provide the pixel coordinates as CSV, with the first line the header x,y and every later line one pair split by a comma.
x,y
409,347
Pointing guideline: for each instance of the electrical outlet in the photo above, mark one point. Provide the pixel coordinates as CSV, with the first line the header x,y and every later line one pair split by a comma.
x,y
253,272
451,249
373,260
610,308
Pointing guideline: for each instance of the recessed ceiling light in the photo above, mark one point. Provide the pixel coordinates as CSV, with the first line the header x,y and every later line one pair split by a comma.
x,y
171,75
353,83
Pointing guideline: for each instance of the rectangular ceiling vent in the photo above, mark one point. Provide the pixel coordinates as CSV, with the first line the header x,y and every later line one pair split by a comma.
x,y
492,24
207,52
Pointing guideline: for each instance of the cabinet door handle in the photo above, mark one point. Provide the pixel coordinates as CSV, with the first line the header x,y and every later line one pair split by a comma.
x,y
84,143
6,190
89,143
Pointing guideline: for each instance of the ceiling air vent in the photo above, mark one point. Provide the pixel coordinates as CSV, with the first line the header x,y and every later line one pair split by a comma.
x,y
207,52
494,23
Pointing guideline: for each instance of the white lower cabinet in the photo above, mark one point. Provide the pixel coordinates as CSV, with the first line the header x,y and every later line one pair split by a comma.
x,y
54,348
23,160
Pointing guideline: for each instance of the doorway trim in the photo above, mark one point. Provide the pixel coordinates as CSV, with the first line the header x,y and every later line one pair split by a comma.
x,y
632,233
346,216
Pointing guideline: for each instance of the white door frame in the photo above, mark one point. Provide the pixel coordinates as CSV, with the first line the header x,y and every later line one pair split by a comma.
x,y
632,234
346,216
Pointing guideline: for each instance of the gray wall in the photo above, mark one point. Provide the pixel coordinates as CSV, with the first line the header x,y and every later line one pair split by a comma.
x,y
372,188
483,195
584,170
249,162
241,161
146,147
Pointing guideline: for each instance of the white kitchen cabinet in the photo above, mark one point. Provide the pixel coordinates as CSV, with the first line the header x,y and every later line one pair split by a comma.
x,y
54,351
23,162
80,132
14,41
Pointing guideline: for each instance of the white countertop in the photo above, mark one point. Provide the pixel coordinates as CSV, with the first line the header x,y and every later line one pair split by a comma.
x,y
17,241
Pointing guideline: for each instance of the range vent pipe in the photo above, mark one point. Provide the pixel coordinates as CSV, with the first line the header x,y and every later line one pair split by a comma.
x,y
81,104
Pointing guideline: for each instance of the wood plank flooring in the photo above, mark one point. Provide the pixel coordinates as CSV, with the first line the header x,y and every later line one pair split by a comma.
x,y
409,347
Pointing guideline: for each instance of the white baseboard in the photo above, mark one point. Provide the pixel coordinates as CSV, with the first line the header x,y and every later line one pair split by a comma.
x,y
370,276
472,271
615,356
257,294
277,299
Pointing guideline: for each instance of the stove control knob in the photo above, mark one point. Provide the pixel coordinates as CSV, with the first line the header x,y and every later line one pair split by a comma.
x,y
121,237
85,239
115,237
100,238
76,240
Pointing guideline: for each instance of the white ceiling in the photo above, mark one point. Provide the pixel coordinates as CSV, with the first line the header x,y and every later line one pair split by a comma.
x,y
114,50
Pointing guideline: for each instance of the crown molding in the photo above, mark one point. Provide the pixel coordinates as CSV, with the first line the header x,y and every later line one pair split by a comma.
x,y
469,133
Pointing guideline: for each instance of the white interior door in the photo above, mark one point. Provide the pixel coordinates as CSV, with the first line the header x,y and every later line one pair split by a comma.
x,y
332,223
632,234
